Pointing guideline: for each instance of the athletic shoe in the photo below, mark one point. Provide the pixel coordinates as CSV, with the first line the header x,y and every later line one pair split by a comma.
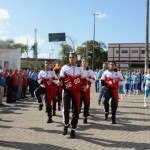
x,y
65,130
72,134
40,107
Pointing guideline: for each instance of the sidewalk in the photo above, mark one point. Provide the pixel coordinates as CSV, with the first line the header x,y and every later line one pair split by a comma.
x,y
23,127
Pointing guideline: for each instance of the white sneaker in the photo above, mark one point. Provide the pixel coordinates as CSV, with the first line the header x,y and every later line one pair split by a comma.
x,y
145,105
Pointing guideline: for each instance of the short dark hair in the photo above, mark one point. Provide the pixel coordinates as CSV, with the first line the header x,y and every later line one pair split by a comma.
x,y
113,62
85,58
73,53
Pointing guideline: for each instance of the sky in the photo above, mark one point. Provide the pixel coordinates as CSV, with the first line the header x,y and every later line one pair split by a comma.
x,y
119,21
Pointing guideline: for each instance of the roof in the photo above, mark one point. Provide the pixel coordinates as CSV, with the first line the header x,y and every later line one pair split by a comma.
x,y
6,50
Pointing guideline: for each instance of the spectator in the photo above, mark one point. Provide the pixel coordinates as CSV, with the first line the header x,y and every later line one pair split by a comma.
x,y
2,85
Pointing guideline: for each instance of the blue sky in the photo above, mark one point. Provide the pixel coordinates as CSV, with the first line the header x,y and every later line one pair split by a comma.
x,y
119,21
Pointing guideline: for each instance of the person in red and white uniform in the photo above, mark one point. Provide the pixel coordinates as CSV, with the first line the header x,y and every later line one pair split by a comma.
x,y
57,69
48,80
72,77
85,95
15,83
24,85
110,80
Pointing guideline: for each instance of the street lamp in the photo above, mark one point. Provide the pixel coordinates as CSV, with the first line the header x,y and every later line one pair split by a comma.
x,y
94,14
72,42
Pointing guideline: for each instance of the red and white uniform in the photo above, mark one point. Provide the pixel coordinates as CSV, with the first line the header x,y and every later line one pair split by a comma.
x,y
74,79
90,79
49,81
112,80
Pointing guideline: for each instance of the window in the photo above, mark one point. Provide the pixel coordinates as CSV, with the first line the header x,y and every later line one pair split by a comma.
x,y
124,51
142,51
117,51
6,64
135,51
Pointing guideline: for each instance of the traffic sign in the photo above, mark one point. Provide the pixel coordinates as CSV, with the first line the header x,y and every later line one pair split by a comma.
x,y
56,37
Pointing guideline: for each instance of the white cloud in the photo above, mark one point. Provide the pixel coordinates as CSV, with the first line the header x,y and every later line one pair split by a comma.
x,y
102,15
23,39
4,20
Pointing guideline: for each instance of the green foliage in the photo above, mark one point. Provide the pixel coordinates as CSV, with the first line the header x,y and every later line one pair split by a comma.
x,y
9,43
6,43
86,50
65,50
100,55
21,46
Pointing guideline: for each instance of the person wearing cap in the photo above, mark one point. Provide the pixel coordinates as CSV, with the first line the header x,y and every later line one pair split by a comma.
x,y
5,74
110,80
2,85
73,79
85,95
15,83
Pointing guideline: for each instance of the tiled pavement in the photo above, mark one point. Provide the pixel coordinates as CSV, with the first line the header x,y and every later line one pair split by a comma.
x,y
23,127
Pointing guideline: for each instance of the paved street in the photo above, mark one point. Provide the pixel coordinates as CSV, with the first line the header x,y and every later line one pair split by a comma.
x,y
23,127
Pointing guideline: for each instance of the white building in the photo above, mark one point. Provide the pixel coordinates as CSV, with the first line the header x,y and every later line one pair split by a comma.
x,y
126,54
10,58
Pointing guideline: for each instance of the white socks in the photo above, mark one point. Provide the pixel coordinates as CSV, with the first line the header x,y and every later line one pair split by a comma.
x,y
145,101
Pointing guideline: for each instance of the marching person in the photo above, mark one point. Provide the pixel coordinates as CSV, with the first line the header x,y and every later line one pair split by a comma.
x,y
110,80
47,79
96,81
73,78
147,87
101,88
135,81
85,95
127,79
57,69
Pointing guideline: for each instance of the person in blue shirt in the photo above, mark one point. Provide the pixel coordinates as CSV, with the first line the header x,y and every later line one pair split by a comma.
x,y
33,82
101,90
2,85
97,81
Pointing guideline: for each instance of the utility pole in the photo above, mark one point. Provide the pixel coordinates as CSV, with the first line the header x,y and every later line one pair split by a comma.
x,y
35,50
94,14
27,50
147,36
87,49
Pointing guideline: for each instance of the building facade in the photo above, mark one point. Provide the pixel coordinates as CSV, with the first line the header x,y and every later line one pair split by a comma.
x,y
10,58
127,54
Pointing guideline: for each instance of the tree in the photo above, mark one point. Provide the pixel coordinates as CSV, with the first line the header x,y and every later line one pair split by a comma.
x,y
9,43
100,55
65,50
21,46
